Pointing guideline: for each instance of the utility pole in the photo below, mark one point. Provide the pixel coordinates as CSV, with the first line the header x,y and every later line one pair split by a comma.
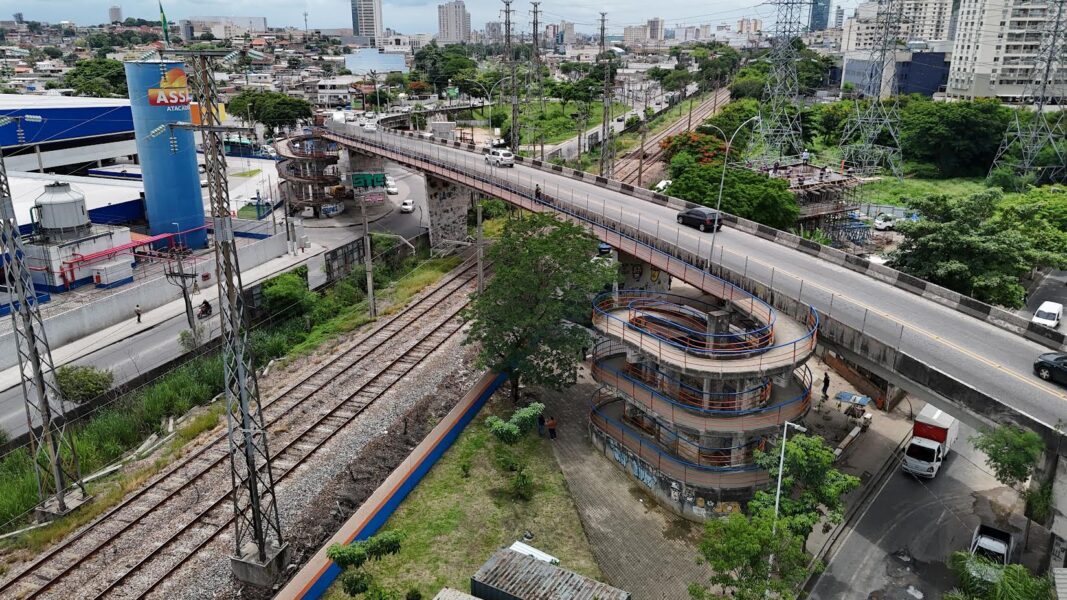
x,y
1042,134
606,150
181,279
306,27
481,283
641,157
871,137
258,541
537,71
779,126
510,55
368,260
55,461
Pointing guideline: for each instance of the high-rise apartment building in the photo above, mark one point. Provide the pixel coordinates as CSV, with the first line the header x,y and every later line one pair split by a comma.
x,y
995,49
494,32
749,26
185,26
453,23
567,29
927,19
655,29
367,20
839,17
114,14
819,18
633,35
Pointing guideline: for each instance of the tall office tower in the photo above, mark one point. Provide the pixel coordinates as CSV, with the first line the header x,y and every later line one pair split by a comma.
x,y
819,17
655,29
494,31
453,23
367,20
114,14
839,17
634,34
567,29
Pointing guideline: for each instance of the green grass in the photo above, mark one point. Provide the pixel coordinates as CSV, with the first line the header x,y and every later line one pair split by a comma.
x,y
249,173
889,190
555,125
453,522
248,211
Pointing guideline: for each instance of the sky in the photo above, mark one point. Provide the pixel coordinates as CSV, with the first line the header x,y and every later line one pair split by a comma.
x,y
406,16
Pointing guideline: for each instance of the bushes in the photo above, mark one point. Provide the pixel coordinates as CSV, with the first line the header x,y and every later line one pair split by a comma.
x,y
521,486
520,422
288,293
79,384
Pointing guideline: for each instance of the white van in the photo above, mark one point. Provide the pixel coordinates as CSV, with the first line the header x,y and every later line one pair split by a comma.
x,y
1048,314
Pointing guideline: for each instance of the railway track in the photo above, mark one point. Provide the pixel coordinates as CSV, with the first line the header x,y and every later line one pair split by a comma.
x,y
627,167
170,519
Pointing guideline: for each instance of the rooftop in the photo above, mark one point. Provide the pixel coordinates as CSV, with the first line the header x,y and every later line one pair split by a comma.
x,y
27,187
521,576
37,102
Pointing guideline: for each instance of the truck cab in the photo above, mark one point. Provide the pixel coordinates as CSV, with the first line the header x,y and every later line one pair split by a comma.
x,y
923,457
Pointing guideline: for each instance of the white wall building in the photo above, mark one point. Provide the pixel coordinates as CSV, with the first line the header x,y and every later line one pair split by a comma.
x,y
453,23
995,47
367,20
655,29
635,35
114,14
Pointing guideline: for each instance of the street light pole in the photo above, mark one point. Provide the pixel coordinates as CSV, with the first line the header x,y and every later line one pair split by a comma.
x,y
722,179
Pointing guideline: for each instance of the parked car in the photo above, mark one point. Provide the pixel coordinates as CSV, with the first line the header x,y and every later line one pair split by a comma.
x,y
701,217
370,127
391,189
500,158
885,222
994,544
1052,366
1048,314
407,206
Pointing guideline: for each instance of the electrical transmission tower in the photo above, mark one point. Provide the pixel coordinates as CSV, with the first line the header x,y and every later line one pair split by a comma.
x,y
258,537
607,149
779,125
55,461
510,54
871,140
537,73
1033,146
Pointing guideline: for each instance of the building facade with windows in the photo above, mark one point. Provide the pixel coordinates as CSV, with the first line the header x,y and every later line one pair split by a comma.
x,y
453,23
367,21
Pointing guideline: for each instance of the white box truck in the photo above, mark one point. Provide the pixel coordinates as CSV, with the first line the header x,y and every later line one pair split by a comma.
x,y
933,435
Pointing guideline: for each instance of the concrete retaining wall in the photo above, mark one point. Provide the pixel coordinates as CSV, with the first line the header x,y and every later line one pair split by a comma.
x,y
72,325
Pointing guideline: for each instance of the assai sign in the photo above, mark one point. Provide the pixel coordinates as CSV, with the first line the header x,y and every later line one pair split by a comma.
x,y
173,89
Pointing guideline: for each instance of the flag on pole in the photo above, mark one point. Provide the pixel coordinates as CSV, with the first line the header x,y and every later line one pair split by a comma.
x,y
163,22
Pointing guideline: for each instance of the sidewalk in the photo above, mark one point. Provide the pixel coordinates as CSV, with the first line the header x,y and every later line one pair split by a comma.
x,y
643,548
81,348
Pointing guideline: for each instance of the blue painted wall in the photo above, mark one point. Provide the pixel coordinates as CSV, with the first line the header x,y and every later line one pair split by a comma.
x,y
66,123
160,95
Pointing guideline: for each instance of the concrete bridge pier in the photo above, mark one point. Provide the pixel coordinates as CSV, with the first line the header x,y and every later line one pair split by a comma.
x,y
639,275
447,203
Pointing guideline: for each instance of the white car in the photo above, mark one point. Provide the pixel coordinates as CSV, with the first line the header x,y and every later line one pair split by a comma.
x,y
1048,314
407,206
662,186
370,127
391,189
500,157
884,222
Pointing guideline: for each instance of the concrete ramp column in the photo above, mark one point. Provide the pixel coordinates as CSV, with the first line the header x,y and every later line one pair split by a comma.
x,y
447,203
639,275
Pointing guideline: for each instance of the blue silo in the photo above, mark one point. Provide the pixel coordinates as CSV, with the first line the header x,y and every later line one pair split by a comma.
x,y
160,95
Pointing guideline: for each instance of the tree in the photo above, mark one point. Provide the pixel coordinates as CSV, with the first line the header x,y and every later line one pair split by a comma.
x,y
207,36
676,80
1012,452
544,275
747,194
739,550
52,52
811,486
969,246
352,557
961,138
273,110
83,383
99,77
982,579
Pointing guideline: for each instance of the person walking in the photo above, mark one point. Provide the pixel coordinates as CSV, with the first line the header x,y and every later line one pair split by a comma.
x,y
825,385
551,428
137,311
541,425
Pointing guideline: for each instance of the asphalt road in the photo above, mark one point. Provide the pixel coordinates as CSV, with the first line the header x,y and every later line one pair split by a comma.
x,y
140,351
996,362
898,548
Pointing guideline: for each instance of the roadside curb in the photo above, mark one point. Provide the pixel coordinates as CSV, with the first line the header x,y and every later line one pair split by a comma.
x,y
857,509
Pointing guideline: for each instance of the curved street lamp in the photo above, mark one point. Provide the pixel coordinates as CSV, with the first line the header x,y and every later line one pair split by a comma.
x,y
722,179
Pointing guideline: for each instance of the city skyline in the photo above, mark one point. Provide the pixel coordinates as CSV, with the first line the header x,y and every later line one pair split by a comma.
x,y
406,16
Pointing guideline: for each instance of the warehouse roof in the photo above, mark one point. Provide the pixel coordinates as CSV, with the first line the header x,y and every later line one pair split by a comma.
x,y
509,574
26,188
